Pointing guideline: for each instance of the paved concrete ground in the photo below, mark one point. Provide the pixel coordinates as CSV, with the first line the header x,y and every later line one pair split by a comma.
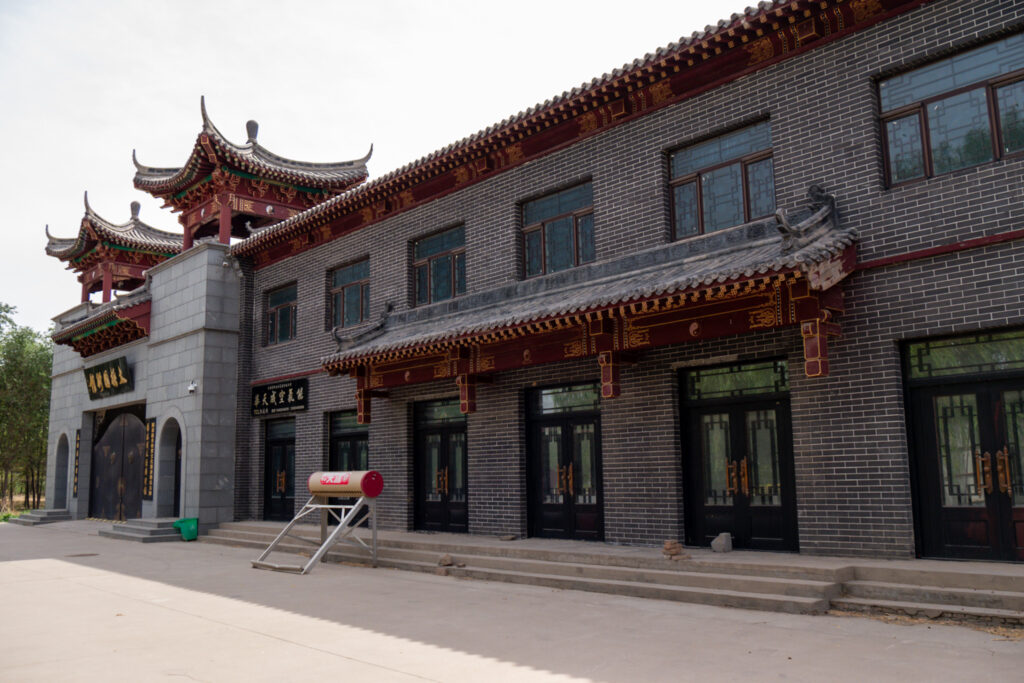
x,y
74,606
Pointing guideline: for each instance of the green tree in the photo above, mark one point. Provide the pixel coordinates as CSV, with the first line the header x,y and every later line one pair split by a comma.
x,y
26,357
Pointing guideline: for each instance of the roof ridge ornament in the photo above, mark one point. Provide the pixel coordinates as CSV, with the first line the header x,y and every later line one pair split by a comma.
x,y
252,129
135,206
796,235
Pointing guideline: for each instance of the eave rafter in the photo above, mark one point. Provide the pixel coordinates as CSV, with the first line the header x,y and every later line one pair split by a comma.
x,y
735,47
612,334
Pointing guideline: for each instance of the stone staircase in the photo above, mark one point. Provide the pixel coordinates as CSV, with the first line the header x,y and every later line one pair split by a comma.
x,y
37,517
992,596
991,593
156,530
778,588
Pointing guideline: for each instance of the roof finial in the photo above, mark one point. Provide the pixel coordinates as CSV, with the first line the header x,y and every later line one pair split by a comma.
x,y
367,157
202,110
251,129
135,210
135,160
88,209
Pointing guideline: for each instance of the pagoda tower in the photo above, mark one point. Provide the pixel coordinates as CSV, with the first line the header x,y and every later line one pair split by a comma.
x,y
227,190
110,257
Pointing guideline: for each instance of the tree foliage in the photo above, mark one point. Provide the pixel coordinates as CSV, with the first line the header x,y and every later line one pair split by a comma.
x,y
26,357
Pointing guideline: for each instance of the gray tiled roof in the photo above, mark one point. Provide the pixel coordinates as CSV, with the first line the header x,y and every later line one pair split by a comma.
x,y
134,234
95,314
308,218
746,251
255,158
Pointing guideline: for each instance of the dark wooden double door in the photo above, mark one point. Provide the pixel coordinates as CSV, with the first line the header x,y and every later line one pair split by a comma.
x,y
441,492
967,441
117,461
739,475
565,498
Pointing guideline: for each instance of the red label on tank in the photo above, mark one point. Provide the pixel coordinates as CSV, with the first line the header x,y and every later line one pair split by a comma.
x,y
338,478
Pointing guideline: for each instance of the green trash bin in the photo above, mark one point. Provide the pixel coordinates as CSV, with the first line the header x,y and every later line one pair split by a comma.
x,y
189,528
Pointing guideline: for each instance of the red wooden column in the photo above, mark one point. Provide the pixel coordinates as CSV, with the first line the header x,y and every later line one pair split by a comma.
x,y
85,291
224,233
108,282
187,241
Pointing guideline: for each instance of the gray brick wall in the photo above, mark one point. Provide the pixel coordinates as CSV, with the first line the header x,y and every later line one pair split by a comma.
x,y
852,464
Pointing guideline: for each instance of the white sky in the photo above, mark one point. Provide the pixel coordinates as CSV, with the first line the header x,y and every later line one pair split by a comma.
x,y
83,83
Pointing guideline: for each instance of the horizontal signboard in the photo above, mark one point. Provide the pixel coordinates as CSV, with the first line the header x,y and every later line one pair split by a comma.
x,y
107,379
280,397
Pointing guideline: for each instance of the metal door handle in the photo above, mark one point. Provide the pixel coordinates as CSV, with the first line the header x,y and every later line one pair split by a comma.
x,y
983,471
1003,469
562,476
570,487
732,480
744,478
446,481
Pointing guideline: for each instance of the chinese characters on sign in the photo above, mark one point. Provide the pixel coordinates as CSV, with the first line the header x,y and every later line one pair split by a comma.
x,y
78,448
147,461
107,379
280,397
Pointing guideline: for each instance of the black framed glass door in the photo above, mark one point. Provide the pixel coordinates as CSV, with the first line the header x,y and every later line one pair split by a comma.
x,y
349,449
279,470
738,457
966,416
564,492
440,490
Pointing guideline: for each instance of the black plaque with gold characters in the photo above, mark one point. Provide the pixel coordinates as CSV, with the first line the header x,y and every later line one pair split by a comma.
x,y
148,460
280,397
107,379
78,449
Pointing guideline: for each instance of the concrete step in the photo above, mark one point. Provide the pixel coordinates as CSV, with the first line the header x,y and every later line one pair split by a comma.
x,y
429,544
930,610
37,517
996,578
705,596
767,593
964,597
159,530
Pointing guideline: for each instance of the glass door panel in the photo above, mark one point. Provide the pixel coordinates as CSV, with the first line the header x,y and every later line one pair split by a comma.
x,y
761,468
958,439
583,481
455,473
433,475
552,475
716,456
1013,460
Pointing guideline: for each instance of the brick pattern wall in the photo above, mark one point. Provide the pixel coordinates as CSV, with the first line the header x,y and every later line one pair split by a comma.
x,y
850,440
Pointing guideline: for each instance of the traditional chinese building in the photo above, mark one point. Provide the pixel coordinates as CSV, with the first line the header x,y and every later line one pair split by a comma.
x,y
762,281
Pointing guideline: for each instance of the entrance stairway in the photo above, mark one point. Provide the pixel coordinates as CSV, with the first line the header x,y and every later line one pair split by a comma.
x,y
155,530
37,517
764,581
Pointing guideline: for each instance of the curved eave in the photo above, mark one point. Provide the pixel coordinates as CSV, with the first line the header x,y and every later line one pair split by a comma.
x,y
825,259
251,158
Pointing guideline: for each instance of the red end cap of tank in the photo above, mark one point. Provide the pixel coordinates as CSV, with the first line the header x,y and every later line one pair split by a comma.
x,y
372,484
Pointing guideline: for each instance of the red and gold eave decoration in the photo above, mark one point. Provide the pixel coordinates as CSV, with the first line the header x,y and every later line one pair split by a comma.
x,y
747,44
107,331
614,334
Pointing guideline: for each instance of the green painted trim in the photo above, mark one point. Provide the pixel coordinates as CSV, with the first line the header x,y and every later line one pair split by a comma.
x,y
95,330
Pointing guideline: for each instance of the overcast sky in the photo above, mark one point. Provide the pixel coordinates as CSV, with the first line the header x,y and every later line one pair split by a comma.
x,y
84,83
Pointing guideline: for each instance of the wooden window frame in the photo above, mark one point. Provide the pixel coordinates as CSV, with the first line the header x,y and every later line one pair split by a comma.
x,y
272,317
921,109
695,177
333,291
416,263
530,228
